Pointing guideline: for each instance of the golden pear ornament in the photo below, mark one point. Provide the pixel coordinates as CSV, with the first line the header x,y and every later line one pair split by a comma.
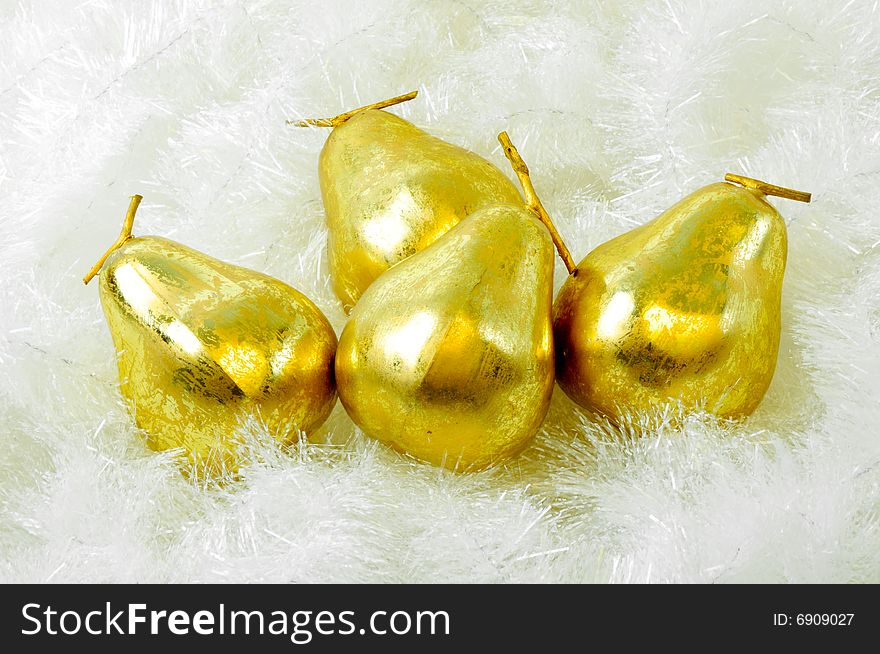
x,y
684,309
448,356
390,190
203,345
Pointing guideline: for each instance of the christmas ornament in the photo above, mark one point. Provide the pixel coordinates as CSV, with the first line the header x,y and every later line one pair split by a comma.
x,y
203,344
390,190
685,308
448,356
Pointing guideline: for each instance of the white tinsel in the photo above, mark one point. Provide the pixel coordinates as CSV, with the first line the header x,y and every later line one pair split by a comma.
x,y
620,109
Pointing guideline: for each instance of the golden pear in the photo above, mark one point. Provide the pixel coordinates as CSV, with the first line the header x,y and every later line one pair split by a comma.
x,y
390,190
448,356
203,345
685,308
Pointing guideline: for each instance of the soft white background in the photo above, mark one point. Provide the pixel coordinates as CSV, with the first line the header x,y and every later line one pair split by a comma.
x,y
620,109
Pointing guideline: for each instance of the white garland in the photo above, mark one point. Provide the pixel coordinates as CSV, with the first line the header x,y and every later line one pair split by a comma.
x,y
619,108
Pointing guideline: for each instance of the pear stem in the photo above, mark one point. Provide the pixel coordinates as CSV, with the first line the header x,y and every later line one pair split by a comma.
x,y
124,235
341,118
532,200
768,189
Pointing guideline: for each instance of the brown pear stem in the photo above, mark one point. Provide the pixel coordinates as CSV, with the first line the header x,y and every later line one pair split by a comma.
x,y
532,200
768,189
124,235
341,118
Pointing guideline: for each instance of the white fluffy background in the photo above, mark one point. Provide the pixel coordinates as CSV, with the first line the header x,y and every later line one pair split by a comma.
x,y
619,108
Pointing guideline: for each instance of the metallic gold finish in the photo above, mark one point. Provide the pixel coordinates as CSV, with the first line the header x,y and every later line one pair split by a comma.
x,y
203,344
448,356
533,202
390,190
685,308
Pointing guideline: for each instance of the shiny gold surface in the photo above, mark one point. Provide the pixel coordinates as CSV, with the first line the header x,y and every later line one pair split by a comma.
x,y
390,190
449,356
686,307
202,345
